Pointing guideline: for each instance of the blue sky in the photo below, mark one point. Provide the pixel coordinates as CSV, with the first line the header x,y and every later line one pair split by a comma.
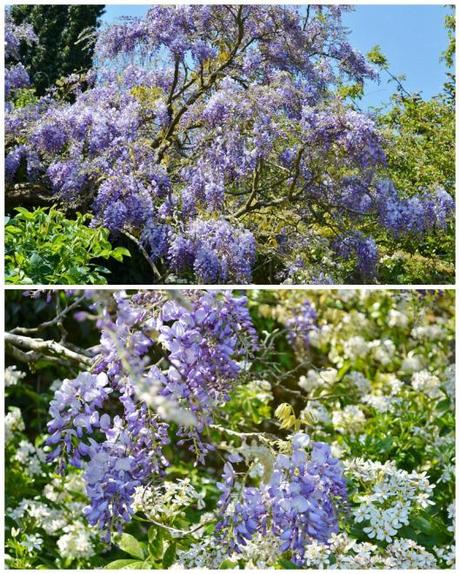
x,y
412,37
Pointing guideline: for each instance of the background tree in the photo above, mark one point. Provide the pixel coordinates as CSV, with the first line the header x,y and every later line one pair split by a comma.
x,y
58,29
420,151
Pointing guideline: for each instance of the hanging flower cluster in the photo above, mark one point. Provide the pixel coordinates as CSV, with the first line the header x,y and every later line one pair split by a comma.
x,y
297,505
114,421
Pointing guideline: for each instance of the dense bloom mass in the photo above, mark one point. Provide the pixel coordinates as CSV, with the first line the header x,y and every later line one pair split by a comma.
x,y
201,337
297,504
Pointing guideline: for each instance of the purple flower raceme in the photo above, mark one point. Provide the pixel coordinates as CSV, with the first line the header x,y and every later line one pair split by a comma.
x,y
15,34
114,421
363,249
414,215
217,251
301,324
16,75
299,503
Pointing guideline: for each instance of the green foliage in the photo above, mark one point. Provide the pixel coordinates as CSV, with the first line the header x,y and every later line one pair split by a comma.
x,y
44,247
58,28
375,56
420,149
24,97
449,23
159,553
250,402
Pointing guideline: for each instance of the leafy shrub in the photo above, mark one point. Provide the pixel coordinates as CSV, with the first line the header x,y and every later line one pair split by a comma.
x,y
44,247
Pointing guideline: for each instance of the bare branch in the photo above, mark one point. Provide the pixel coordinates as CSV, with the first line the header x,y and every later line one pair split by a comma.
x,y
52,322
39,348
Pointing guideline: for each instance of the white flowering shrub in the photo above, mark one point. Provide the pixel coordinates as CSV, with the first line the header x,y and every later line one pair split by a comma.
x,y
279,429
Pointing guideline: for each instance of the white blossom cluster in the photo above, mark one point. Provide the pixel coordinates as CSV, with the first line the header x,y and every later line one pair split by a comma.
x,y
13,376
57,514
30,457
424,382
350,419
343,552
391,495
14,423
166,501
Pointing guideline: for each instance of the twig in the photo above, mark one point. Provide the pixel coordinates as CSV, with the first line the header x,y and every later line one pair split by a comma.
x,y
144,253
263,436
55,321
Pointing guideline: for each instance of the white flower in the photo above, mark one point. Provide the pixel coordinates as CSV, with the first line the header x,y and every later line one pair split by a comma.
x,y
448,381
30,457
315,379
349,420
397,319
361,383
427,383
32,542
13,376
263,390
451,515
317,555
390,495
447,554
430,332
383,351
13,423
395,384
412,363
317,412
355,348
168,500
379,403
320,336
405,554
76,542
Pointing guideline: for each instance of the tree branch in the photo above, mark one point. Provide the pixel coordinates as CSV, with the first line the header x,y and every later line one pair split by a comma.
x,y
38,348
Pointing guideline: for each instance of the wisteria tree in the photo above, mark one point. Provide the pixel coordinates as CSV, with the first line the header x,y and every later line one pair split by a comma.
x,y
221,140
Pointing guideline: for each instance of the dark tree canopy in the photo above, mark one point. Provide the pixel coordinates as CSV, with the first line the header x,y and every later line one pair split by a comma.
x,y
58,29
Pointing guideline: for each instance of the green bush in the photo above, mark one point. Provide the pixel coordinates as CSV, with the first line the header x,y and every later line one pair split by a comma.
x,y
44,247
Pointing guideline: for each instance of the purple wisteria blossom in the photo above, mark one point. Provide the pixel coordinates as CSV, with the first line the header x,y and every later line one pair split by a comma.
x,y
114,422
298,504
300,325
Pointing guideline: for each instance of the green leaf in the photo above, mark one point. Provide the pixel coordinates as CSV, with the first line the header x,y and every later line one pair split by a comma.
x,y
421,523
227,565
131,546
444,405
156,544
170,555
375,56
122,251
287,564
152,533
121,564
